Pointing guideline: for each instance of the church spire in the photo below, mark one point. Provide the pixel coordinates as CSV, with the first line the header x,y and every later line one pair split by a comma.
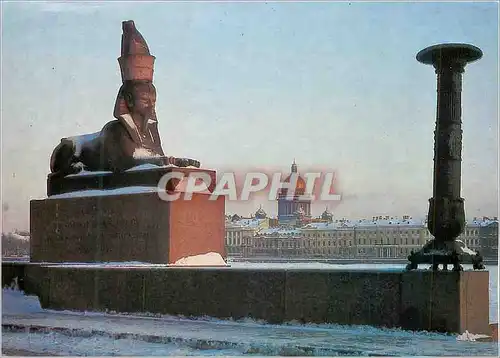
x,y
294,167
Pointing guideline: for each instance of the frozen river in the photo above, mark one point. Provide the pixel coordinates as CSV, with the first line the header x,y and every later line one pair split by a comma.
x,y
79,334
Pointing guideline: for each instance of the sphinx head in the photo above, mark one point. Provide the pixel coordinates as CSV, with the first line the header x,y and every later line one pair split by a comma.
x,y
140,98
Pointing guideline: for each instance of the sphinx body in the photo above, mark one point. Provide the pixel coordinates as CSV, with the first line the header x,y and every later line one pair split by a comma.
x,y
111,149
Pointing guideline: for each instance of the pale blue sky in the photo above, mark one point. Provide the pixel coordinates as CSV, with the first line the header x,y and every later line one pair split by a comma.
x,y
258,84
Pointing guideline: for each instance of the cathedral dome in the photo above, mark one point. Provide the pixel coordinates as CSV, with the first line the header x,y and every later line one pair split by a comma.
x,y
300,186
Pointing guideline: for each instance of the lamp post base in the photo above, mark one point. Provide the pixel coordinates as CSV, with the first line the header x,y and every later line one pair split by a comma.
x,y
445,253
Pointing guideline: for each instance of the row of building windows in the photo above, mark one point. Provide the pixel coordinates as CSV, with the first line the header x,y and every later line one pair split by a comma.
x,y
299,244
344,248
238,240
233,241
330,243
363,233
344,252
234,238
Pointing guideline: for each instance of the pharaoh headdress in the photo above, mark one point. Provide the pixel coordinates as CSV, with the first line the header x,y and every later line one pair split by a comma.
x,y
136,64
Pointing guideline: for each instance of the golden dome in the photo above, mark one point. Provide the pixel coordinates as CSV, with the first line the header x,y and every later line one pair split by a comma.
x,y
300,186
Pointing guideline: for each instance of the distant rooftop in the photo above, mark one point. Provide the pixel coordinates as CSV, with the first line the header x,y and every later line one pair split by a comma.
x,y
252,223
376,221
482,222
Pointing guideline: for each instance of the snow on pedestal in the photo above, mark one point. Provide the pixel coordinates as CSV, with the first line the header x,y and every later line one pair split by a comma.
x,y
208,259
87,172
146,166
104,192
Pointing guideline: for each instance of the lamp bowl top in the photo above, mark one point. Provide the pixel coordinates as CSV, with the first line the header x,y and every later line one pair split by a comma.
x,y
449,52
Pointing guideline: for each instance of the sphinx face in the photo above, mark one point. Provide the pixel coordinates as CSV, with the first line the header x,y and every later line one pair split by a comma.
x,y
143,99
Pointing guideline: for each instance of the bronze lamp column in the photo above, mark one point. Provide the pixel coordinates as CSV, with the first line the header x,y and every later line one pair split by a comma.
x,y
446,218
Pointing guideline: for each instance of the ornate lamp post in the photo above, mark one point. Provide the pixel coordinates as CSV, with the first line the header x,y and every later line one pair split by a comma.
x,y
446,218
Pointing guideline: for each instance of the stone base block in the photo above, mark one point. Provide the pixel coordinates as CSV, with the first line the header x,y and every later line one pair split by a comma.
x,y
445,301
131,227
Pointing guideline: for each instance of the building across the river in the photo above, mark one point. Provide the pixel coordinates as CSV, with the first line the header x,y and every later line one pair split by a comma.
x,y
240,232
487,242
296,234
381,237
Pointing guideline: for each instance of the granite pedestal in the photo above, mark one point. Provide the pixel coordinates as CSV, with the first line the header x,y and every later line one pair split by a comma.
x,y
130,227
446,301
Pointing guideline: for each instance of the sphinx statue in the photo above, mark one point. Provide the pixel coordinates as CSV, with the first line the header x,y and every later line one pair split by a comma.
x,y
131,139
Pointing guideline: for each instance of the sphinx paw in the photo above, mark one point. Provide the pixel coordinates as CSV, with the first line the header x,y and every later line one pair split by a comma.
x,y
194,163
181,162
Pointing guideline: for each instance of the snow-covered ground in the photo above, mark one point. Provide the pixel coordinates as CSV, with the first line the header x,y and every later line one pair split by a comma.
x,y
26,326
